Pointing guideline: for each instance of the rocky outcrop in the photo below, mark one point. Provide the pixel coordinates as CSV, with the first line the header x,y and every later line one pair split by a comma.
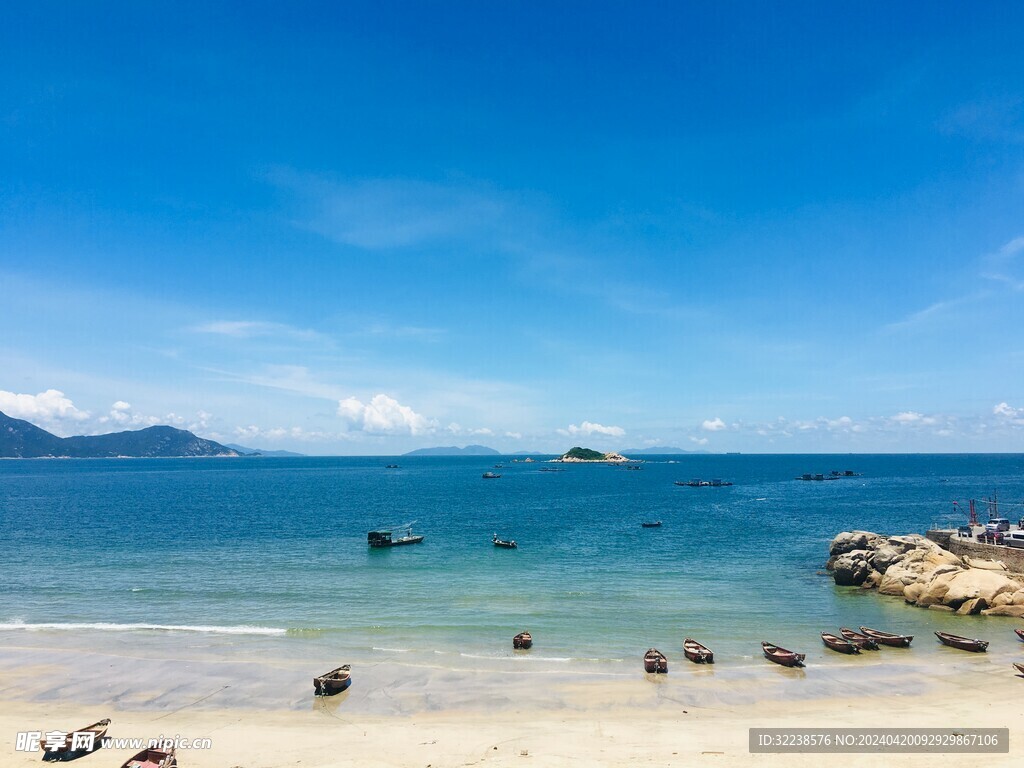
x,y
925,574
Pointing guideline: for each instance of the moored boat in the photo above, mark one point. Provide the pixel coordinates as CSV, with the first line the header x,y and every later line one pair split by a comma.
x,y
386,538
859,639
840,644
963,643
490,476
655,662
153,758
888,638
506,543
697,653
1020,634
522,641
781,656
335,681
76,743
651,524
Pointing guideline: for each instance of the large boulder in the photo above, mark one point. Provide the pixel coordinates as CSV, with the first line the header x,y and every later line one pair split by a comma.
x,y
935,589
851,568
976,583
912,592
971,607
1005,610
885,556
848,541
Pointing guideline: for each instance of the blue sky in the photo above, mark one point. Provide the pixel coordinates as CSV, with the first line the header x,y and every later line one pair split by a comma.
x,y
763,227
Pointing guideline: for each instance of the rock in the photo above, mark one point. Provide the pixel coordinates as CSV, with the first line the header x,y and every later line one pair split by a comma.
x,y
912,592
971,607
851,568
985,565
974,583
945,608
885,556
1017,598
935,589
1004,599
873,580
904,544
848,541
1005,610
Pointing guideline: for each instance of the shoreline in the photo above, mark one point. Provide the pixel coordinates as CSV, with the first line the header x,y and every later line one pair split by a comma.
x,y
619,723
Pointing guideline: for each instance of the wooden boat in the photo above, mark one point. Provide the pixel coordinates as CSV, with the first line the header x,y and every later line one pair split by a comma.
x,y
655,662
887,638
153,758
64,751
782,656
1019,667
385,538
862,641
839,644
651,524
507,544
963,643
1020,634
335,681
490,476
697,653
522,641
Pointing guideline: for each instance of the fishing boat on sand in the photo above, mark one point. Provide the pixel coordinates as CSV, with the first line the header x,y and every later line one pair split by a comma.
x,y
506,543
655,662
888,638
963,643
840,644
1019,668
522,641
1020,634
75,745
781,656
335,681
153,758
859,639
697,653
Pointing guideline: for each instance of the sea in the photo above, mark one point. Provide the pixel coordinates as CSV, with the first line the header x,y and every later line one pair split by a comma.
x,y
269,556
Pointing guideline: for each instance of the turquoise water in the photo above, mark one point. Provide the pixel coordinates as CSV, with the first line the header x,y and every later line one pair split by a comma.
x,y
273,551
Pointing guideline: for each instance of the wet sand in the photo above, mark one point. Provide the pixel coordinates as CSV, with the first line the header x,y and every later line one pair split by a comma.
x,y
259,711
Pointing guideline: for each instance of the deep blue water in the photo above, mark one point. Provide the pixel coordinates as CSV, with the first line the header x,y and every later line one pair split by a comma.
x,y
280,544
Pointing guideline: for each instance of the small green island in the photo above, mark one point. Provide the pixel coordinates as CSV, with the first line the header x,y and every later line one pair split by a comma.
x,y
586,454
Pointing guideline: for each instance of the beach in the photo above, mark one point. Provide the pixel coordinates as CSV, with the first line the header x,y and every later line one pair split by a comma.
x,y
259,712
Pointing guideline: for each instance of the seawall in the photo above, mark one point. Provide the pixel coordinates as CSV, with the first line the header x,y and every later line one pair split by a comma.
x,y
958,545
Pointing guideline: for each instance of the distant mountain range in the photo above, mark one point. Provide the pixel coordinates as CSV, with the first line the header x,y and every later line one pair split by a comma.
x,y
451,450
261,452
21,439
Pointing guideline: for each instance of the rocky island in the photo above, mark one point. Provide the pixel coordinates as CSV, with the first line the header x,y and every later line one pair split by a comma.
x,y
926,574
578,454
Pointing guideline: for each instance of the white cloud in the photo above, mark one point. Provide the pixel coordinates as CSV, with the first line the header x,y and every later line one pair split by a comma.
x,y
699,441
712,425
913,417
383,415
1005,409
591,428
49,407
514,435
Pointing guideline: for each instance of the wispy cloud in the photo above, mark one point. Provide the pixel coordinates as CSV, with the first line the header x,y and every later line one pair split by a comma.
x,y
1000,265
247,329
